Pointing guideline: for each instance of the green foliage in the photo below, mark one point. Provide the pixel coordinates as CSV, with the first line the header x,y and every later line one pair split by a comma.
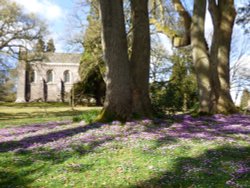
x,y
92,55
245,98
180,92
88,116
92,87
17,28
92,67
165,98
50,46
7,85
40,45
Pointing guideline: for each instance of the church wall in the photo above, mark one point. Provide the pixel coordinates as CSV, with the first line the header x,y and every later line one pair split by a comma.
x,y
55,87
53,92
36,92
40,88
21,82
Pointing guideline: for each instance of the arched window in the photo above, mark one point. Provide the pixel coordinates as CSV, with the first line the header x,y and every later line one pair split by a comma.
x,y
66,76
49,76
32,76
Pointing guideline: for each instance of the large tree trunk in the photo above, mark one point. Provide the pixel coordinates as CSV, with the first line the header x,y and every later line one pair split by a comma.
x,y
215,83
200,55
118,93
223,15
140,58
228,13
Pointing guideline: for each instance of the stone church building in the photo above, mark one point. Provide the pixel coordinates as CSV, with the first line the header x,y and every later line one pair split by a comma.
x,y
49,79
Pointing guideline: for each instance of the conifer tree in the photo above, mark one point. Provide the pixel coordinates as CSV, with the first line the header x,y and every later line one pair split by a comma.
x,y
244,98
40,45
50,46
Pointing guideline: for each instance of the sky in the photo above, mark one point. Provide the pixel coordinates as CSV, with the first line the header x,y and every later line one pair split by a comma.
x,y
56,14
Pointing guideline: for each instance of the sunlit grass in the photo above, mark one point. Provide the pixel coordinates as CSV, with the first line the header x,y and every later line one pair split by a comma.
x,y
12,114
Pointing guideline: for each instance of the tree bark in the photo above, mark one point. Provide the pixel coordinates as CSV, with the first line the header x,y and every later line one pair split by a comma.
x,y
223,15
118,99
228,14
200,55
215,83
140,58
180,41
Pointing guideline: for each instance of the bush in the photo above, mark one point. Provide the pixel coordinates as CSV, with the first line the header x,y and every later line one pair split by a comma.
x,y
88,116
170,98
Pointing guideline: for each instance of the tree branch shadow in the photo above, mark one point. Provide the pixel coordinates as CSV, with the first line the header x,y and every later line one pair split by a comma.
x,y
45,138
226,166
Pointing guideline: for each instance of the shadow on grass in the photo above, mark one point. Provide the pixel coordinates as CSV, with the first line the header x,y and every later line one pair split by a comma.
x,y
21,169
207,128
27,142
13,179
226,166
160,133
214,168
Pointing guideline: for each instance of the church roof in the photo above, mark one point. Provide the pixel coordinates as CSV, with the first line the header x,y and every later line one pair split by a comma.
x,y
62,58
53,57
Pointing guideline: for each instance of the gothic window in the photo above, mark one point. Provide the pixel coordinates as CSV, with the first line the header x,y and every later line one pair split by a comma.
x,y
66,76
49,76
32,76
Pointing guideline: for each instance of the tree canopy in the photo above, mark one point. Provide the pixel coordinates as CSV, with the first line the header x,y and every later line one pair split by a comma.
x,y
17,29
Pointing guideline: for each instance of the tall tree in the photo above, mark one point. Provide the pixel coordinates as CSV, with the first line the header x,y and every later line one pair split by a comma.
x,y
223,15
182,80
50,46
200,55
92,67
40,45
118,99
7,85
140,58
17,29
212,65
245,98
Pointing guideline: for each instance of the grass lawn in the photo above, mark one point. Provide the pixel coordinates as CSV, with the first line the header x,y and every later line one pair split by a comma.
x,y
12,114
180,152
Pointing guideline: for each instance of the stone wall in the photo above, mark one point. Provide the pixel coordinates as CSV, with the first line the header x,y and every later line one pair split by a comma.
x,y
43,89
21,82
